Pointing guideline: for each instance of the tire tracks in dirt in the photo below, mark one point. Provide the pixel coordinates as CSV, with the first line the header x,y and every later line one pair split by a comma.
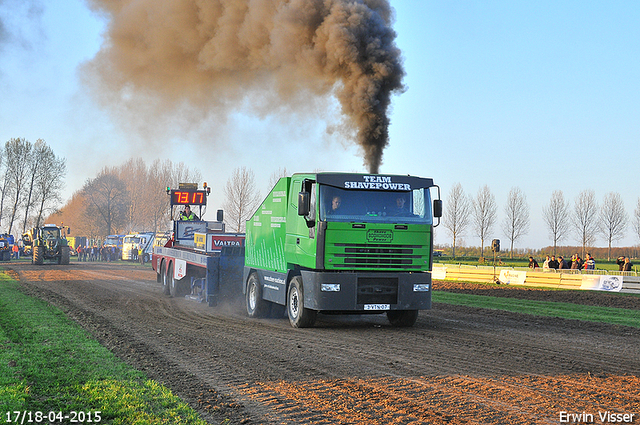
x,y
457,365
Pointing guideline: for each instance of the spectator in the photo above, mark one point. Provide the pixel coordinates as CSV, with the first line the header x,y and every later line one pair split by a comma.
x,y
627,265
545,265
589,263
553,263
561,263
533,264
620,263
576,262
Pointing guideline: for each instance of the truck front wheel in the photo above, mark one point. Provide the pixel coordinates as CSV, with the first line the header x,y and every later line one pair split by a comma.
x,y
256,306
299,316
402,318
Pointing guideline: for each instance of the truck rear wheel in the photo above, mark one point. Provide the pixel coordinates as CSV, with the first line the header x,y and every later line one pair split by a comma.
x,y
256,306
402,318
299,316
166,289
38,255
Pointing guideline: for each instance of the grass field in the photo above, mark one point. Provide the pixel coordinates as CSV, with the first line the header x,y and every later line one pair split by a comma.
x,y
614,316
49,364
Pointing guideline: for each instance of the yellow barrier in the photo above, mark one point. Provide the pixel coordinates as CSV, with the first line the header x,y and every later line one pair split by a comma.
x,y
546,279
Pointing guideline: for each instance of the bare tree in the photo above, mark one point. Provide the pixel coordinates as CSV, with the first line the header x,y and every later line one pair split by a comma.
x,y
585,218
556,216
159,179
242,198
107,201
141,204
484,214
276,175
6,180
458,214
48,183
636,219
613,219
17,156
516,220
135,176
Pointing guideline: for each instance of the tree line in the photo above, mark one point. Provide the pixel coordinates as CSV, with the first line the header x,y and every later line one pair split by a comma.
x,y
31,183
584,219
132,198
122,199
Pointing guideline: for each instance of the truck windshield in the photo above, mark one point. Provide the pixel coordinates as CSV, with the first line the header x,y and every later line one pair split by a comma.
x,y
51,233
131,239
375,205
111,240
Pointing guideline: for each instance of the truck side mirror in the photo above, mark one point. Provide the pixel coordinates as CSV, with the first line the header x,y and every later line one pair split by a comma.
x,y
68,230
220,215
304,203
437,208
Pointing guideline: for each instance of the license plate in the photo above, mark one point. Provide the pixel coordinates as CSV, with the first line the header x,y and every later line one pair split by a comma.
x,y
378,307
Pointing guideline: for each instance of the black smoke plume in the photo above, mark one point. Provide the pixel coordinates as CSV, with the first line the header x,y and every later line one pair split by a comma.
x,y
210,54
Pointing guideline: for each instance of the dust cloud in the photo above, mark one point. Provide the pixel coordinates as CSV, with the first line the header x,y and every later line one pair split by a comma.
x,y
216,57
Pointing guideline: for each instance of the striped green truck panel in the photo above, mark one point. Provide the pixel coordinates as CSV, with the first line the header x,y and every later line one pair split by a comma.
x,y
377,246
266,230
277,239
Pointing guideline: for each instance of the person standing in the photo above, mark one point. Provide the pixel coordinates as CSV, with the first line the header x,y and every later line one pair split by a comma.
x,y
576,263
561,263
627,265
589,262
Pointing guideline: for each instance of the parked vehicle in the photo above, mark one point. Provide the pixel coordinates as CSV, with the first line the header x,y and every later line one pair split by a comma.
x,y
48,243
132,243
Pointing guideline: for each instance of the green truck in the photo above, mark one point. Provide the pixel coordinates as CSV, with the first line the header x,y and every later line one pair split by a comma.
x,y
342,243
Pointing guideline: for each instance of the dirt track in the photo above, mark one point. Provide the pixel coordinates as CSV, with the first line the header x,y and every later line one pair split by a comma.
x,y
457,365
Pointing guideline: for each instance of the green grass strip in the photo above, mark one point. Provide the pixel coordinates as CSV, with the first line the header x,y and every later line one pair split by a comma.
x,y
48,363
615,316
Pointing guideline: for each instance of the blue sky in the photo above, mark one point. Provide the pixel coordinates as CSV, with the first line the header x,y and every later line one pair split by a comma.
x,y
536,95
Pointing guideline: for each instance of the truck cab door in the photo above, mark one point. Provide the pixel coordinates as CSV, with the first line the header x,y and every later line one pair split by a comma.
x,y
301,230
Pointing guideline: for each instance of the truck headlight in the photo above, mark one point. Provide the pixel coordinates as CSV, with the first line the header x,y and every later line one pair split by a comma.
x,y
421,287
330,287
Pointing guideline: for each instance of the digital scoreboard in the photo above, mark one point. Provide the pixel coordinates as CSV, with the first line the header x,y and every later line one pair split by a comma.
x,y
188,197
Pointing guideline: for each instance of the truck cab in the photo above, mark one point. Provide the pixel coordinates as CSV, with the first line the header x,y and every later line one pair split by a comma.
x,y
345,243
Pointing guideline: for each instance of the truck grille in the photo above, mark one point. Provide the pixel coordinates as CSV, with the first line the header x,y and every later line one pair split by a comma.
x,y
382,256
377,290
